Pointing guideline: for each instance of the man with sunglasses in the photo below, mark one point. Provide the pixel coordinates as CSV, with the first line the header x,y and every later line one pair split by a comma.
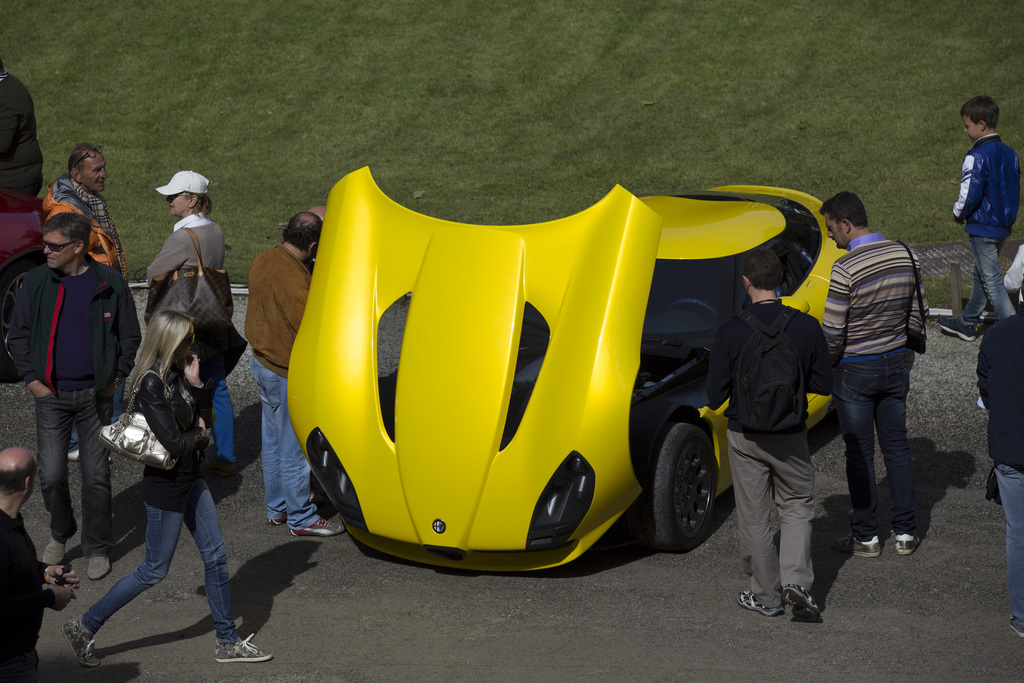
x,y
79,191
73,338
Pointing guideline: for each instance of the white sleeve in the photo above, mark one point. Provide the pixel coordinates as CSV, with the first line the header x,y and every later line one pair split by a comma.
x,y
1014,276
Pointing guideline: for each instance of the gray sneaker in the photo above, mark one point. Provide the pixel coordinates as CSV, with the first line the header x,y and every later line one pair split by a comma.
x,y
80,640
1017,628
850,545
746,600
321,527
803,604
906,544
239,651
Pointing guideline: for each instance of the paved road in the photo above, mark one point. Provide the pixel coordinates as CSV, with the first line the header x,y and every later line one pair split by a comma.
x,y
332,610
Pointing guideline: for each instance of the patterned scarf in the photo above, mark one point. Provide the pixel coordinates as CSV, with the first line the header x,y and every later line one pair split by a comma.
x,y
100,215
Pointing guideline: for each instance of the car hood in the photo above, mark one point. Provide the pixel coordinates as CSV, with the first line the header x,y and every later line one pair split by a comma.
x,y
444,489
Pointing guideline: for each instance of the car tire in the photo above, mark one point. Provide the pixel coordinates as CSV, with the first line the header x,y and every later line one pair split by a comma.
x,y
678,511
10,283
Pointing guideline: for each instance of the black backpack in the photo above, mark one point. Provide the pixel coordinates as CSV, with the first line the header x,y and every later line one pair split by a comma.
x,y
768,388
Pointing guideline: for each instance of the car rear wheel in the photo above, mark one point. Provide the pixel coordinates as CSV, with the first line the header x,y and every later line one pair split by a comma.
x,y
10,283
682,495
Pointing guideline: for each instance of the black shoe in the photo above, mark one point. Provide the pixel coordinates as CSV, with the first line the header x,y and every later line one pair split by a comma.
x,y
803,604
955,327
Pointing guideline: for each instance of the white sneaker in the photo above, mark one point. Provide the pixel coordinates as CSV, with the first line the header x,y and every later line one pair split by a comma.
x,y
73,455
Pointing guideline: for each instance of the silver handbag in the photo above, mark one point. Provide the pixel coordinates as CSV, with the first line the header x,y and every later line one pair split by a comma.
x,y
131,437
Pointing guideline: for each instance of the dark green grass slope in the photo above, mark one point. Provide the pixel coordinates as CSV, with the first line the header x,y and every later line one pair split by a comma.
x,y
513,112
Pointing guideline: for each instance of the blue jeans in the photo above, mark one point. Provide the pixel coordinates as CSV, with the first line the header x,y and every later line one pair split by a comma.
x,y
987,281
285,469
870,395
162,534
1011,492
223,411
23,668
55,416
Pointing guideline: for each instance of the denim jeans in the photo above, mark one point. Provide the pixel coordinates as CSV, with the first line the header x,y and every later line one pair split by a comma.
x,y
55,414
285,469
23,668
162,532
1011,492
870,395
987,281
223,411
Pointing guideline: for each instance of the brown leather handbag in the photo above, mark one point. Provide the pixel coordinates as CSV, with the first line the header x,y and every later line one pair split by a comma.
x,y
203,293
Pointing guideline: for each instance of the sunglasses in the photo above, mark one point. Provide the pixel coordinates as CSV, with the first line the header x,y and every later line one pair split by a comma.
x,y
171,197
87,154
57,248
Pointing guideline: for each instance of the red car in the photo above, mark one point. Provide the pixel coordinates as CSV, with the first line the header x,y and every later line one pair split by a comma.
x,y
21,249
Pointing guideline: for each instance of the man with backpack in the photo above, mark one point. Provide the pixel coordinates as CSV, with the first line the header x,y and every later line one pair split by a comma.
x,y
764,361
874,299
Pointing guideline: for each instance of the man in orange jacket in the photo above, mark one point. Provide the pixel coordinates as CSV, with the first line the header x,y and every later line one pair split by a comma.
x,y
79,190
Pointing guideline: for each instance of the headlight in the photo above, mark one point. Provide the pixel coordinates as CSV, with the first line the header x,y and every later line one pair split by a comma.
x,y
334,479
562,505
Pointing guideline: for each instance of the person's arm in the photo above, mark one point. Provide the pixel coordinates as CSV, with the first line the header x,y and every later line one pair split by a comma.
x,y
971,189
818,363
14,606
983,372
719,382
1015,275
172,255
20,335
154,405
129,335
292,300
837,308
202,393
10,121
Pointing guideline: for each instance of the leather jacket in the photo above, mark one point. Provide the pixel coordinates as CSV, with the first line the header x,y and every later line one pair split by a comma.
x,y
171,407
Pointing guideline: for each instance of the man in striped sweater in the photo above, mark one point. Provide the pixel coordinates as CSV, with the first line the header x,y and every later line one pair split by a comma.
x,y
865,325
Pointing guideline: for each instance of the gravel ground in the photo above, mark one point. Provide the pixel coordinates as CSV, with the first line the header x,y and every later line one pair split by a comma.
x,y
330,609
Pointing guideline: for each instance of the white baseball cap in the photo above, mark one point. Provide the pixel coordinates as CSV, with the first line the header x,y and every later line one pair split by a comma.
x,y
185,181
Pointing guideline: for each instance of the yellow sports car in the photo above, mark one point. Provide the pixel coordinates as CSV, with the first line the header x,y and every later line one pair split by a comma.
x,y
550,378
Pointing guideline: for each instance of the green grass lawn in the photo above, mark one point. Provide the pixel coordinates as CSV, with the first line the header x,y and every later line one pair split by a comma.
x,y
517,112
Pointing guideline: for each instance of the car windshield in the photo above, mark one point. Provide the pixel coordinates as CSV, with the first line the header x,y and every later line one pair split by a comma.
x,y
686,298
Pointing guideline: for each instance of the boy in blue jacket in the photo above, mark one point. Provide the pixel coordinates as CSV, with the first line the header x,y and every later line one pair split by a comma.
x,y
988,201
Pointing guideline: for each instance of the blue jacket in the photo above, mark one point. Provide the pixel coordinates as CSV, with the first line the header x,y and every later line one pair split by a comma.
x,y
1000,378
989,189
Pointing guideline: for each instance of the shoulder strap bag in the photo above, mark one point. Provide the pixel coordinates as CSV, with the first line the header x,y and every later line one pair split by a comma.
x,y
203,293
132,437
916,341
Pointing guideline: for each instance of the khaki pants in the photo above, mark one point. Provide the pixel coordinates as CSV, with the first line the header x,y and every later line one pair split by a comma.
x,y
777,467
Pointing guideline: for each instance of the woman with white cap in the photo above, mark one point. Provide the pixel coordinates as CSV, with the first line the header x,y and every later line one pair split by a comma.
x,y
188,201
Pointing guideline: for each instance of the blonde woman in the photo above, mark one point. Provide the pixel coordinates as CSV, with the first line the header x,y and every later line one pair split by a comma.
x,y
177,407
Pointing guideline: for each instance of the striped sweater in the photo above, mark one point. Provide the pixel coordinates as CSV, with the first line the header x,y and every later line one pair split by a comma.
x,y
866,309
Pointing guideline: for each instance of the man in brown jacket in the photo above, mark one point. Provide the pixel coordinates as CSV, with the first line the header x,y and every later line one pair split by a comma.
x,y
278,286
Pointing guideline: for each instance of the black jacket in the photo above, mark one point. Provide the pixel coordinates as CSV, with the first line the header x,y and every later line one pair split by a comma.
x,y
113,323
1001,384
171,407
22,596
